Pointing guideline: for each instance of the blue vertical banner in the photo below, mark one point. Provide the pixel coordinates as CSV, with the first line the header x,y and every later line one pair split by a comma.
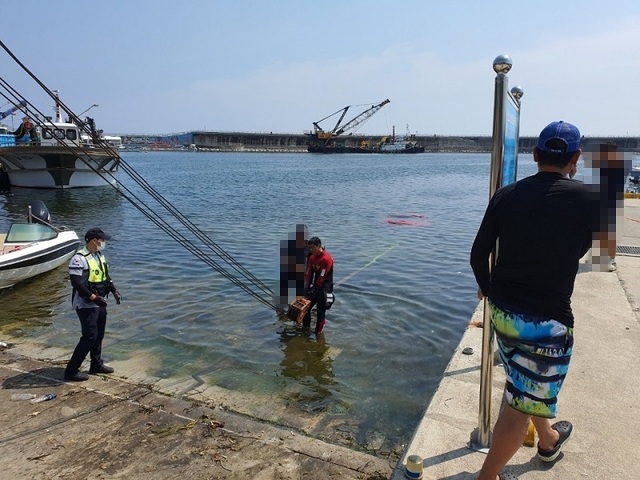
x,y
511,135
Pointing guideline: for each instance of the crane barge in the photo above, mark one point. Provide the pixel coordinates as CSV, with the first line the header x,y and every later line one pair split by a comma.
x,y
322,141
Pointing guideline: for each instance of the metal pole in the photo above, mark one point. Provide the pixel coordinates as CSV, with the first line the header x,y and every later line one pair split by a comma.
x,y
85,111
481,436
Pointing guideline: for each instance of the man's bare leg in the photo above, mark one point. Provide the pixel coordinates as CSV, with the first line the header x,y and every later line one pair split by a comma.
x,y
547,436
508,435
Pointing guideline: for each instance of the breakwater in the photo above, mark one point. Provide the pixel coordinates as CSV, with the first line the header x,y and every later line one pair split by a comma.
x,y
292,142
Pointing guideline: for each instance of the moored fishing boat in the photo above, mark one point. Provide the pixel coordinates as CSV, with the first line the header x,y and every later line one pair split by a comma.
x,y
57,154
34,247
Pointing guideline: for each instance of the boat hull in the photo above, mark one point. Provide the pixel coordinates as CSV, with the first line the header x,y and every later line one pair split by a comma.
x,y
37,258
58,167
338,149
408,149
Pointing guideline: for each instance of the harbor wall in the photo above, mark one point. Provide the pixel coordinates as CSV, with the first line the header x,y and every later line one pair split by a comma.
x,y
292,142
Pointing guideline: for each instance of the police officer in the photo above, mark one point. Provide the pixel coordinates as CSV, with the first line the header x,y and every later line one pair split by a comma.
x,y
89,275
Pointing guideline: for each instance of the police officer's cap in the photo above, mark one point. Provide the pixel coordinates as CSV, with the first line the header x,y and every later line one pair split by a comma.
x,y
96,233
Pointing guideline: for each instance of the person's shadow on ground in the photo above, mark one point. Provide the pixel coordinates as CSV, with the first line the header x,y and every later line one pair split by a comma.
x,y
42,377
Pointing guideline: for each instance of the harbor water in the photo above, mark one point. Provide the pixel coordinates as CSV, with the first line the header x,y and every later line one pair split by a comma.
x,y
399,227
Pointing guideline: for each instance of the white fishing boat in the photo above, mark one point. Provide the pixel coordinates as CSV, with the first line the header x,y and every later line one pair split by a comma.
x,y
34,247
58,155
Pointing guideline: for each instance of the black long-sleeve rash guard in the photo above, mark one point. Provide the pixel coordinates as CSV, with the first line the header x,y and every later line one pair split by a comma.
x,y
543,225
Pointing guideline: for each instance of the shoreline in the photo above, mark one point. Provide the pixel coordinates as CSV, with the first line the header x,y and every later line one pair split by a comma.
x,y
110,428
150,426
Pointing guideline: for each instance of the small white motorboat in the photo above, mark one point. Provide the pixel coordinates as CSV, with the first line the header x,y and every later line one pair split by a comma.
x,y
35,247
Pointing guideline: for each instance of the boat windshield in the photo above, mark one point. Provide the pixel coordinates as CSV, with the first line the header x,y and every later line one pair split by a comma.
x,y
29,232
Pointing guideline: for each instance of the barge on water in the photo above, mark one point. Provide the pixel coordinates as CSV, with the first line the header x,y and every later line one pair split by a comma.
x,y
321,141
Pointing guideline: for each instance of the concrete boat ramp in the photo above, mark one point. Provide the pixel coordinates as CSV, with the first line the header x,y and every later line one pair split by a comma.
x,y
136,427
108,427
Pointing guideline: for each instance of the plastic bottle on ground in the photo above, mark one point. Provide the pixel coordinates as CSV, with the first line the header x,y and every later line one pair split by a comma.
x,y
44,398
23,396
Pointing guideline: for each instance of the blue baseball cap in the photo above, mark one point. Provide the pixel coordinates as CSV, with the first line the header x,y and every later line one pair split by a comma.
x,y
559,137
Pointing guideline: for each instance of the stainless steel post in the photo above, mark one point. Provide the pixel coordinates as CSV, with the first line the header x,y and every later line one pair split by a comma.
x,y
481,436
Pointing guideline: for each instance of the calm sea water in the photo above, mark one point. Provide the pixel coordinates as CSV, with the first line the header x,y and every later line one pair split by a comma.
x,y
404,294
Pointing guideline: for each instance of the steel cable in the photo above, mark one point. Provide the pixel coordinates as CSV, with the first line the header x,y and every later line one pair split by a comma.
x,y
138,203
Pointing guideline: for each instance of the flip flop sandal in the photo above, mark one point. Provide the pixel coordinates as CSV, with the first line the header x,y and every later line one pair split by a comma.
x,y
564,429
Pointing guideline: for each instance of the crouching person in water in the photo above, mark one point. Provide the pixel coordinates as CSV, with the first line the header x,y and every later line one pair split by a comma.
x,y
89,275
318,282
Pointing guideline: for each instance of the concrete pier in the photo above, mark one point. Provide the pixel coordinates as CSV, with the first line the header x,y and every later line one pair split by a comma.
x,y
294,142
601,395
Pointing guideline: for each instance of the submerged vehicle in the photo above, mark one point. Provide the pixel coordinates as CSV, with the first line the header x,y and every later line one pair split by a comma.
x,y
34,247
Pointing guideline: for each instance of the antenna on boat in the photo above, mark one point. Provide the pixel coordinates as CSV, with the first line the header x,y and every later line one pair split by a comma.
x,y
87,109
57,107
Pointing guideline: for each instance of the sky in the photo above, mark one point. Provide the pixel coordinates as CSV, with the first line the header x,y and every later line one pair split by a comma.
x,y
155,67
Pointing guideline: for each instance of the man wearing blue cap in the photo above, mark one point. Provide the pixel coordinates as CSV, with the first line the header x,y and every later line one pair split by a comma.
x,y
89,275
543,225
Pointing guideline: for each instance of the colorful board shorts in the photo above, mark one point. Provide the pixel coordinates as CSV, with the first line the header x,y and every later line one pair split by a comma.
x,y
536,352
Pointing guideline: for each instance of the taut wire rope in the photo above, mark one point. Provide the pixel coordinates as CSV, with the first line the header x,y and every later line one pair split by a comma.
x,y
263,295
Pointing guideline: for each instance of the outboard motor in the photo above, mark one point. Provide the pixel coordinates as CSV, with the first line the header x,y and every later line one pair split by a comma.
x,y
38,213
5,185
